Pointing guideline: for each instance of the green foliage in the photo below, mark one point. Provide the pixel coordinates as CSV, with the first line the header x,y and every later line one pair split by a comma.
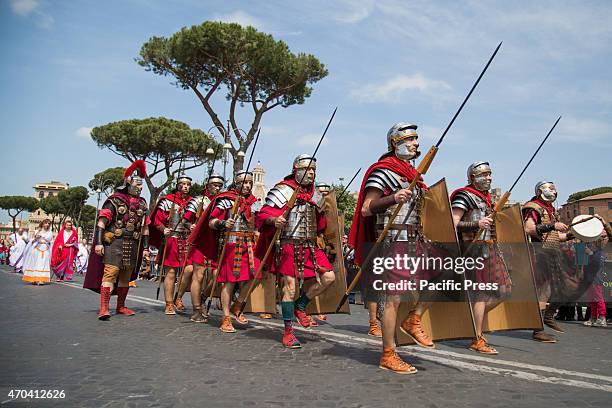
x,y
252,67
107,180
346,205
163,143
88,217
14,205
152,138
52,206
587,193
196,189
73,200
18,203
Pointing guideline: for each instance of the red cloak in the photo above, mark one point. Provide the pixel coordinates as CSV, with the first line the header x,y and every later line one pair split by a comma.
x,y
63,254
484,195
363,228
286,264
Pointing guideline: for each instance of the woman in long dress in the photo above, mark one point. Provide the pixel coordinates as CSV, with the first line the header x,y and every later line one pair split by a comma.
x,y
37,262
82,256
17,252
64,252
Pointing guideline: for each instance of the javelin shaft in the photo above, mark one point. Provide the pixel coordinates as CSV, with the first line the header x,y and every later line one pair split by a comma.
x,y
468,95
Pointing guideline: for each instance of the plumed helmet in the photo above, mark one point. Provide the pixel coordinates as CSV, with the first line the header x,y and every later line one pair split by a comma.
x,y
137,169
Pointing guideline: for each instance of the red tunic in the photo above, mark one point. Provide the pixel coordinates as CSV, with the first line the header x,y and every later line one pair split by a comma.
x,y
159,220
239,262
286,256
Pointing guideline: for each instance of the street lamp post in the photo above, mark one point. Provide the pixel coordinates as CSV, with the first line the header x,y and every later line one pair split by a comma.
x,y
101,187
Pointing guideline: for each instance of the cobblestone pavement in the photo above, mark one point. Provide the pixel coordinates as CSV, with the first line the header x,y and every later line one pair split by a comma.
x,y
51,339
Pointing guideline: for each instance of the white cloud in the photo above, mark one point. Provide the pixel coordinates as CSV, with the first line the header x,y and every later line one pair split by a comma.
x,y
241,17
45,21
583,131
24,7
354,12
83,132
393,88
311,140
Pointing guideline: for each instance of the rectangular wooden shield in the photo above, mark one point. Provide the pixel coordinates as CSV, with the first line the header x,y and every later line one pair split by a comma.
x,y
328,301
520,310
443,320
263,297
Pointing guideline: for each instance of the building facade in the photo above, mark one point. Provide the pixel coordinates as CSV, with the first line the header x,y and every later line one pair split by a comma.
x,y
42,190
259,184
596,204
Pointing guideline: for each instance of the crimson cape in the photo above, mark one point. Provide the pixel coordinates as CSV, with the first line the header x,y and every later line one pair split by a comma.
x,y
205,239
363,229
95,266
267,231
156,237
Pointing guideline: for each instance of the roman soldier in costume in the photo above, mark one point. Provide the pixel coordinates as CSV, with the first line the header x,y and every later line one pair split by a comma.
x,y
471,207
296,257
546,232
220,230
121,238
173,233
198,266
330,252
385,186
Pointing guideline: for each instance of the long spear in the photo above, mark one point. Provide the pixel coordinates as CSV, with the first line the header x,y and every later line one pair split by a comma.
x,y
290,205
210,172
170,218
421,169
234,215
502,201
347,186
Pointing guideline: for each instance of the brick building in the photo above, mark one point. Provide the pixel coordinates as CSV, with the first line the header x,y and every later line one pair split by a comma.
x,y
596,204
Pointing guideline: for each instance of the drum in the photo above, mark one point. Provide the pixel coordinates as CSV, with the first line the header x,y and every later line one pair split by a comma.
x,y
587,228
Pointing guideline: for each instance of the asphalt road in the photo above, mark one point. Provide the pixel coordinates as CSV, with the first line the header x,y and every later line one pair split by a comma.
x,y
51,340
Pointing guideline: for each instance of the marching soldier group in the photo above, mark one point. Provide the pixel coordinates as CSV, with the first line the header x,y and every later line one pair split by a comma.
x,y
225,239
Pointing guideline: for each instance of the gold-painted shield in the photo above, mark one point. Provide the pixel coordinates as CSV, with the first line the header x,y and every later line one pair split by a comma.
x,y
520,310
444,319
327,302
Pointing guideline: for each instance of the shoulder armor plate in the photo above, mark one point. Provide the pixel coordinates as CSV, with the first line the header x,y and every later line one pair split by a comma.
x,y
279,195
224,203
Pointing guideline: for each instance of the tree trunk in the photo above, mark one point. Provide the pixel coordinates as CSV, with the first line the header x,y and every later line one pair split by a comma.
x,y
238,165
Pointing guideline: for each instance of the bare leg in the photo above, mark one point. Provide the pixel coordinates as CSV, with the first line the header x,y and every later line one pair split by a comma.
x,y
372,310
226,297
169,284
478,309
389,321
196,285
317,288
185,281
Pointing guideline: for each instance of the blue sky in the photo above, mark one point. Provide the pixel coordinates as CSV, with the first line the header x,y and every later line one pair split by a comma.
x,y
68,66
